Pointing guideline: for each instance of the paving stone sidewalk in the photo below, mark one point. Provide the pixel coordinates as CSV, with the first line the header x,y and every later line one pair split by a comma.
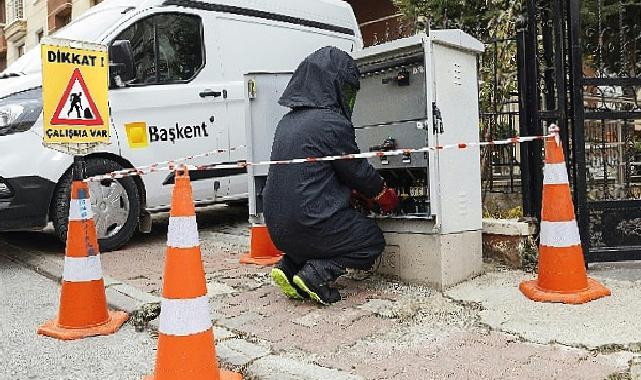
x,y
381,330
384,329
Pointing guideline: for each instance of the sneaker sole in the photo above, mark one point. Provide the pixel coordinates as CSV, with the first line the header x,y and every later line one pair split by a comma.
x,y
301,284
280,278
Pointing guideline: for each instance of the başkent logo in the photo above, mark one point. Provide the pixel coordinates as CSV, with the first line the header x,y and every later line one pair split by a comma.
x,y
170,134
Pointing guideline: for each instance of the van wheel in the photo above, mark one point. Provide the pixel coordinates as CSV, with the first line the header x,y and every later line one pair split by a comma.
x,y
115,205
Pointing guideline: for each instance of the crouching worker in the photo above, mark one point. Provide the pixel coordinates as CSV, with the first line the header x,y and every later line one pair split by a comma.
x,y
307,206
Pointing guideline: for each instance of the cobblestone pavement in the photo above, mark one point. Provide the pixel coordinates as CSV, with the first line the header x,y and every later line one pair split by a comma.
x,y
382,329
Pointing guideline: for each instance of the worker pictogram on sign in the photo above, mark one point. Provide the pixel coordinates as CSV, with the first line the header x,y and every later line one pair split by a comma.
x,y
76,106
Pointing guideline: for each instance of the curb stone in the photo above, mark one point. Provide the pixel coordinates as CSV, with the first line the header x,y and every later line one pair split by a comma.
x,y
119,296
239,352
274,367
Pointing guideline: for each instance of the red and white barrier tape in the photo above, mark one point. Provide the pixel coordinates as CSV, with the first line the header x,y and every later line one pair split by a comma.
x,y
157,166
172,166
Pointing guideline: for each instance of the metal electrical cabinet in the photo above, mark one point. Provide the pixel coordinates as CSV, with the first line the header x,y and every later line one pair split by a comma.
x,y
415,92
262,115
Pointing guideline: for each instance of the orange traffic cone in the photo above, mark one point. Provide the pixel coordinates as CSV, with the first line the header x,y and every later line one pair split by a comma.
x,y
83,304
262,249
562,274
186,348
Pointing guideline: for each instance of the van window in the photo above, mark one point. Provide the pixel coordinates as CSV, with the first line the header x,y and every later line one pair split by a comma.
x,y
141,37
167,48
180,51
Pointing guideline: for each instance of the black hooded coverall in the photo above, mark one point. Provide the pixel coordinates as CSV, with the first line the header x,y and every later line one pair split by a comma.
x,y
307,206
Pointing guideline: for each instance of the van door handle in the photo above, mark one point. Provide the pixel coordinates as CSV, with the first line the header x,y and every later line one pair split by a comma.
x,y
215,94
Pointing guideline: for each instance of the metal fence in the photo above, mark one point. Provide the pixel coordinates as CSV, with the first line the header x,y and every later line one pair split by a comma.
x,y
580,67
501,167
499,116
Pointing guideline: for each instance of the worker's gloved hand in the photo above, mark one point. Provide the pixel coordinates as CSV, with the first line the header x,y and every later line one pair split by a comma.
x,y
387,200
360,201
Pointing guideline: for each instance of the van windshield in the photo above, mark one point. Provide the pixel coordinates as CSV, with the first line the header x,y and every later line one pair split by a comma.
x,y
89,28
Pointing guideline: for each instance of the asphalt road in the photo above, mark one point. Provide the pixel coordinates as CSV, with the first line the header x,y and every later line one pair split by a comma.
x,y
26,300
224,219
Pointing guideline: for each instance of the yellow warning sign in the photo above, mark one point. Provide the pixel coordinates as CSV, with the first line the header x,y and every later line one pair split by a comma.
x,y
75,81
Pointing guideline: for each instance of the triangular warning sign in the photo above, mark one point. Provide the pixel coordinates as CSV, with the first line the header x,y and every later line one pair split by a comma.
x,y
76,107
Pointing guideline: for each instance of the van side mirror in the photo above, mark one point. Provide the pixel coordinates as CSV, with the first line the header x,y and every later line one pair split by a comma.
x,y
121,63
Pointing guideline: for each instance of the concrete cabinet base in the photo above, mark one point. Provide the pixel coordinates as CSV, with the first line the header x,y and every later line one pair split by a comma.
x,y
439,261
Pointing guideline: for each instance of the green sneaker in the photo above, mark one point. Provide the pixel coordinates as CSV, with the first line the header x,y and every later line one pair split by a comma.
x,y
280,279
321,293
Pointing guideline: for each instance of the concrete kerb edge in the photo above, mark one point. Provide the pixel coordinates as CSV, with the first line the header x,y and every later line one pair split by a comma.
x,y
118,294
508,227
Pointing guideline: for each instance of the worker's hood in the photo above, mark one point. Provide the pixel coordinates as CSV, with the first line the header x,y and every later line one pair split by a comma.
x,y
321,81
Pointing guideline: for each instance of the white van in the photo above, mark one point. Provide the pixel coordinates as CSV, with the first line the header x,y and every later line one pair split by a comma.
x,y
183,79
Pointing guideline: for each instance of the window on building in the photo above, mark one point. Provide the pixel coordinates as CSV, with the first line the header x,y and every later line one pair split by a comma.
x,y
95,2
39,34
20,50
167,48
62,19
3,61
15,10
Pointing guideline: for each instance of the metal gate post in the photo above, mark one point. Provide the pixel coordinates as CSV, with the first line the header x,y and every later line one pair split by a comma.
x,y
578,123
532,176
559,13
523,117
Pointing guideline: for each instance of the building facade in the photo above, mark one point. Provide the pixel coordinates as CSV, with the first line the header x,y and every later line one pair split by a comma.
x,y
23,23
380,21
3,40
